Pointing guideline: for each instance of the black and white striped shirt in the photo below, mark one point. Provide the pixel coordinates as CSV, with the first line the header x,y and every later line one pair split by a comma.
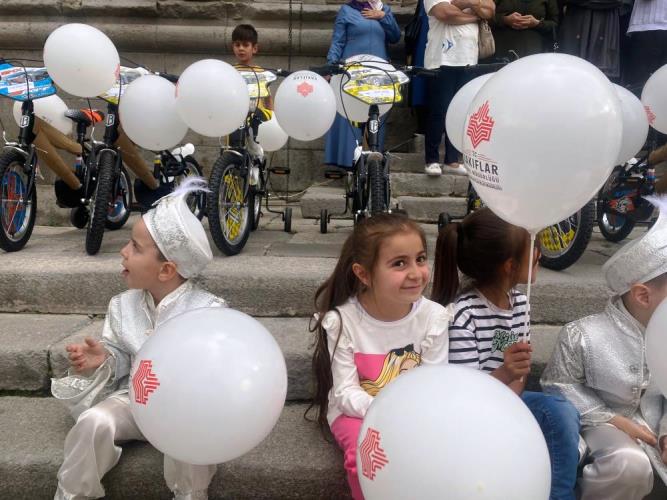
x,y
480,331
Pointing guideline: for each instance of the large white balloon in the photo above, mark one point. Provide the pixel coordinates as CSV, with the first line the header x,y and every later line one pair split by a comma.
x,y
541,138
305,105
148,113
208,386
656,347
458,109
635,124
271,136
654,98
81,60
415,445
51,109
212,98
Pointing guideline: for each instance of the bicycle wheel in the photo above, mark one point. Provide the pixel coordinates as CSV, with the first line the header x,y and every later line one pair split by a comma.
x,y
614,227
228,207
121,201
379,188
564,243
100,202
18,208
473,201
196,201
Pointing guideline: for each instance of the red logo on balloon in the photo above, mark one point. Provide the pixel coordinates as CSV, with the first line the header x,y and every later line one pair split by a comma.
x,y
480,126
650,115
144,382
373,457
305,89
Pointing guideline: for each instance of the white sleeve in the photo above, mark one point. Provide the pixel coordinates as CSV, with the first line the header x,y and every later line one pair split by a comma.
x,y
435,346
429,4
348,396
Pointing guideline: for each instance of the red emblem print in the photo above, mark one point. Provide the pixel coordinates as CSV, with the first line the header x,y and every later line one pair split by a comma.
x,y
650,115
373,457
305,88
480,126
144,382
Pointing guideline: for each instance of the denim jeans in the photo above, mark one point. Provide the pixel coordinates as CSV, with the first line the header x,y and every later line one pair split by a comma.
x,y
559,421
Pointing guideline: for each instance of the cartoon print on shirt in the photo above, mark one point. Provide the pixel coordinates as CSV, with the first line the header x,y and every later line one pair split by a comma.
x,y
396,362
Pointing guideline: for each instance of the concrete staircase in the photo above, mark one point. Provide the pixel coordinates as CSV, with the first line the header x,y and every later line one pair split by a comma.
x,y
52,294
421,196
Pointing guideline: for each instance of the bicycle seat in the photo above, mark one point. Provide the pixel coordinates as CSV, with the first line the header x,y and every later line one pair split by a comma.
x,y
85,116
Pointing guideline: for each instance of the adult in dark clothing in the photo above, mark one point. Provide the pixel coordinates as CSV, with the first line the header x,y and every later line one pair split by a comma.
x,y
591,29
524,26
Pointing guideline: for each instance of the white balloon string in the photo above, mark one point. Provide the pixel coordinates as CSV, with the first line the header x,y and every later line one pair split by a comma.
x,y
531,255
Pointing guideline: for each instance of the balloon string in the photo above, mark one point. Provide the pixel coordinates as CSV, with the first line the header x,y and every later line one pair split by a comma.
x,y
530,279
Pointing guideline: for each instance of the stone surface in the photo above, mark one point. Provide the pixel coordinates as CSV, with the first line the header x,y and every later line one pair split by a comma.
x,y
428,209
25,343
408,184
293,462
317,198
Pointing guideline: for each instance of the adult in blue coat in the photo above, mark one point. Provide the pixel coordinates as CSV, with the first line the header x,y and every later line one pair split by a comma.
x,y
360,28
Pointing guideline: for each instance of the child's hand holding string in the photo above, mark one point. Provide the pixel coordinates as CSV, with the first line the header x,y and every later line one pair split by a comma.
x,y
87,356
516,363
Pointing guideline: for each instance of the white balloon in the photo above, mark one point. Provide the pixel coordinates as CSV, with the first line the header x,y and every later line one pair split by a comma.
x,y
656,347
51,109
654,98
635,124
148,113
208,385
271,136
458,109
212,98
305,105
415,445
81,60
541,138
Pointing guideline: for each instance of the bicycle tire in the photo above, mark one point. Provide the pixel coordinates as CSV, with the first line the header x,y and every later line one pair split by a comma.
x,y
7,242
115,223
576,248
618,235
378,185
227,168
100,201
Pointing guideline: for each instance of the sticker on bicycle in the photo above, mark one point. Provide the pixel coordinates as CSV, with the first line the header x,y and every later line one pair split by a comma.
x,y
373,127
25,121
111,119
124,76
21,84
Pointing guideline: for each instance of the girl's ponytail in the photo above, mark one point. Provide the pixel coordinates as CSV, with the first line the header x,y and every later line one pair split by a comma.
x,y
445,269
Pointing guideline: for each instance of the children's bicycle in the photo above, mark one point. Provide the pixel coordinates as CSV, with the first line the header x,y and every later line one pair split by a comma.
x,y
375,83
240,177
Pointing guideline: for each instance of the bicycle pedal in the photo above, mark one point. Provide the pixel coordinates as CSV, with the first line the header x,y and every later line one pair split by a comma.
x,y
334,174
280,170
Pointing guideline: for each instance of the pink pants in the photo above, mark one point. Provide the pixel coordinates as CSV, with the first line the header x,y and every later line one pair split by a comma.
x,y
346,432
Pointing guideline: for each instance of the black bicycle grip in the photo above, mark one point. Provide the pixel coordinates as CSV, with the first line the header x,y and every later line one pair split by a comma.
x,y
328,69
167,76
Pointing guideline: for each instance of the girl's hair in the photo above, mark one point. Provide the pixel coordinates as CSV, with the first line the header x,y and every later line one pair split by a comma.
x,y
361,247
477,246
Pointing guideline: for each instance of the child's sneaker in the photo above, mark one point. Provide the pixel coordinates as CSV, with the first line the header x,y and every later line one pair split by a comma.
x,y
433,169
454,169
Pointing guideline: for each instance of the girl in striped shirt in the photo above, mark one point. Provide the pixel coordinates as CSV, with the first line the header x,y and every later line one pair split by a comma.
x,y
490,329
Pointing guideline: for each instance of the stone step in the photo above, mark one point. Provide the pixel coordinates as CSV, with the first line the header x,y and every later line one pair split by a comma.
x,y
428,209
277,275
412,184
32,349
293,462
407,162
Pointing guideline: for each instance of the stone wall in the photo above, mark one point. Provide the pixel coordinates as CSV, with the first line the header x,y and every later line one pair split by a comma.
x,y
169,35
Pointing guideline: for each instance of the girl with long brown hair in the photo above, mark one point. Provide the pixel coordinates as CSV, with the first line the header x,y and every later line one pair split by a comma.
x,y
372,324
490,328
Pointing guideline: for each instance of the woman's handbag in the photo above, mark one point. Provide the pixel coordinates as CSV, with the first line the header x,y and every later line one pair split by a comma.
x,y
412,31
486,44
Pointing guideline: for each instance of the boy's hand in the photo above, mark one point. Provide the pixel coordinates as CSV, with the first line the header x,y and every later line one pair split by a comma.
x,y
635,431
516,362
87,356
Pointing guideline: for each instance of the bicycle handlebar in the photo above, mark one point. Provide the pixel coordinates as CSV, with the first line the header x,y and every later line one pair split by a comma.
x,y
169,77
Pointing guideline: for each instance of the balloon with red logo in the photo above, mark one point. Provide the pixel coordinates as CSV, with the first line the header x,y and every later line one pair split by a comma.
x,y
654,99
541,137
305,105
208,386
413,444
